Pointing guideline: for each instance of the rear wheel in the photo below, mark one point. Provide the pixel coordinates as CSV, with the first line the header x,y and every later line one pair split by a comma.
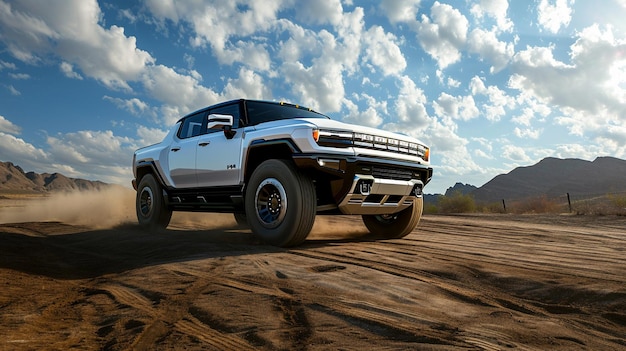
x,y
241,219
397,225
150,205
280,203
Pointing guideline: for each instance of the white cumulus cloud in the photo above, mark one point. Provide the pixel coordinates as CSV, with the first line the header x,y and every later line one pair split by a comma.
x,y
496,9
554,14
7,126
489,48
589,90
515,153
68,70
400,10
457,107
13,148
71,29
382,50
444,34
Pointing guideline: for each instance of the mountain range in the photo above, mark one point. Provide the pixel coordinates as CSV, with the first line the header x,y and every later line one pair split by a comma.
x,y
555,177
13,180
551,177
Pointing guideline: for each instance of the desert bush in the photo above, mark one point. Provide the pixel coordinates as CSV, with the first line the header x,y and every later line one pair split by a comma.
x,y
457,203
611,204
492,207
431,209
539,204
593,207
618,201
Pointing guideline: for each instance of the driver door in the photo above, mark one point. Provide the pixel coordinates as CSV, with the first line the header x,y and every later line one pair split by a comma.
x,y
218,157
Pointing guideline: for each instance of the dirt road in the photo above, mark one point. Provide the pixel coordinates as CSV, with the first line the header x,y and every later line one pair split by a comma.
x,y
456,283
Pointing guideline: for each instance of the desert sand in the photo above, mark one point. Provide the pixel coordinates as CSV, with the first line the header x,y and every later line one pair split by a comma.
x,y
77,273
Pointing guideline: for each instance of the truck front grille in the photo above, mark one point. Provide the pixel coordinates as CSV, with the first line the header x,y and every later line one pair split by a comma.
x,y
341,138
392,173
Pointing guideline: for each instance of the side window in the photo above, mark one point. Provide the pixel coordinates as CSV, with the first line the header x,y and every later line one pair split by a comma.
x,y
192,126
232,110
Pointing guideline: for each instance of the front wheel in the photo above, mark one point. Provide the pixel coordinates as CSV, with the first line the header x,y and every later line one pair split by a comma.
x,y
150,205
397,225
280,203
241,219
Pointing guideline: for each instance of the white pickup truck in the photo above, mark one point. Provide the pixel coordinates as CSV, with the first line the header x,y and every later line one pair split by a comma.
x,y
275,166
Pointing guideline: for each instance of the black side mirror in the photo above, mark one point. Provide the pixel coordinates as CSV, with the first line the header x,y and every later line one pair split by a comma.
x,y
229,133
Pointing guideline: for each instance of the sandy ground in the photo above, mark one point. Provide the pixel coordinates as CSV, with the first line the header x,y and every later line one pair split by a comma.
x,y
456,283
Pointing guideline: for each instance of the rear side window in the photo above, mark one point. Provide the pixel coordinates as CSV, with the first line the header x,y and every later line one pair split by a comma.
x,y
192,126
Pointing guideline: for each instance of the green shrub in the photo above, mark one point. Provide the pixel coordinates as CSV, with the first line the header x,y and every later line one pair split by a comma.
x,y
457,203
431,209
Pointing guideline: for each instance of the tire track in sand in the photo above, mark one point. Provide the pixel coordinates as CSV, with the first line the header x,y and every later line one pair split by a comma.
x,y
168,313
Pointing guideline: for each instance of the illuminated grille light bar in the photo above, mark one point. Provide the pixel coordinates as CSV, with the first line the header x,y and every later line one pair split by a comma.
x,y
403,146
392,144
380,142
335,138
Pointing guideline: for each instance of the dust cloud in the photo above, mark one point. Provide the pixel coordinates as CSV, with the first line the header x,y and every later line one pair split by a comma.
x,y
100,209
114,206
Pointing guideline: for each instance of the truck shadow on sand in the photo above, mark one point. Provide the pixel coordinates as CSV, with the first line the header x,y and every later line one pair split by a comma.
x,y
63,251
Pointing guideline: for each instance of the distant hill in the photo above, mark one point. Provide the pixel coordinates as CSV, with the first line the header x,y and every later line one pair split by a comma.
x,y
13,180
556,177
460,188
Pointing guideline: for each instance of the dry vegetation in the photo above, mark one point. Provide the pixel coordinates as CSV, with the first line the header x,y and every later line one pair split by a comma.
x,y
610,204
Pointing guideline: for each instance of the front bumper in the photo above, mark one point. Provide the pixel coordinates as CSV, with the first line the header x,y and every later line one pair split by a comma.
x,y
366,185
369,195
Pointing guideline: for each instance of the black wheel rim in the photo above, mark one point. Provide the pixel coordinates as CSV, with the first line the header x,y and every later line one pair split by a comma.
x,y
271,203
146,201
386,219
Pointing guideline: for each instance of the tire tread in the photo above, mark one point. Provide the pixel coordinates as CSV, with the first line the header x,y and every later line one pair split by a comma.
x,y
405,223
305,196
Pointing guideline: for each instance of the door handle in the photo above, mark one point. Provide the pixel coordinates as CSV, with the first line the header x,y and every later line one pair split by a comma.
x,y
204,143
175,149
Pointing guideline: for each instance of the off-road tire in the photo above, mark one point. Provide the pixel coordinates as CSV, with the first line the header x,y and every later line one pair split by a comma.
x,y
150,206
397,225
280,203
241,219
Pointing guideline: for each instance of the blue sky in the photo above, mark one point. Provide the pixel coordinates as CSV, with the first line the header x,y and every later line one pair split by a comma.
x,y
490,85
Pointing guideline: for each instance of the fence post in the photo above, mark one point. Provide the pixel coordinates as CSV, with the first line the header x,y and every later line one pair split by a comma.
x,y
504,205
569,203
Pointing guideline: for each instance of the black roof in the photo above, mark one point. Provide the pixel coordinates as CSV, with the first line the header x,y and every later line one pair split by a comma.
x,y
224,103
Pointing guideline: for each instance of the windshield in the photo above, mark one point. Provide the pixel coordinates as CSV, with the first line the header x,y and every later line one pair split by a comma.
x,y
259,112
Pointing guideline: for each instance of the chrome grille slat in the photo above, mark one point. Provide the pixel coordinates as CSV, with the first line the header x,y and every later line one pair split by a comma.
x,y
390,173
